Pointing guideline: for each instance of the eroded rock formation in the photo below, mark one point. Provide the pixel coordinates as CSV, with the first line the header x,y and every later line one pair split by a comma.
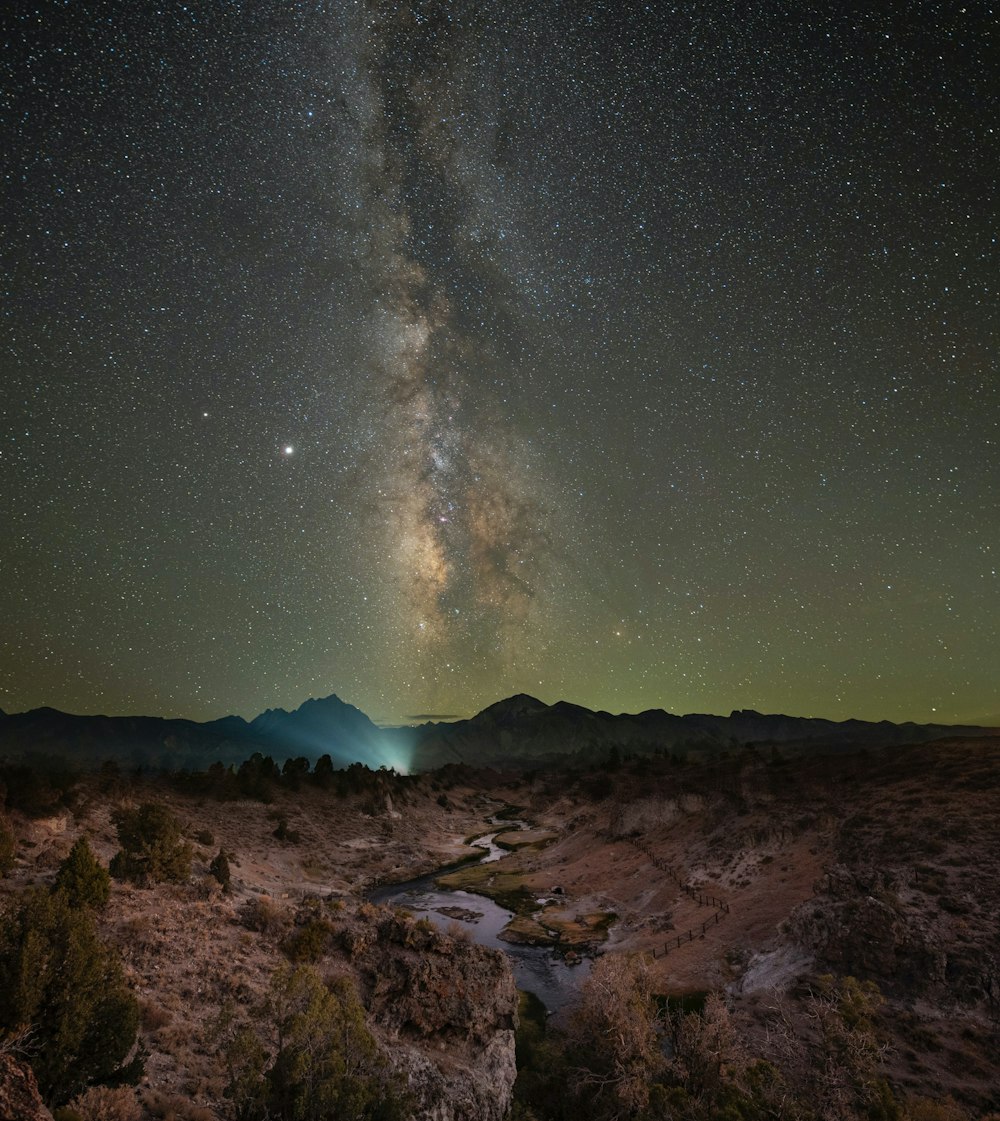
x,y
447,1010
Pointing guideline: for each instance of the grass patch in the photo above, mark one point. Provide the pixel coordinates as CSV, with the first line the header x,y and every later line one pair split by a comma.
x,y
466,858
314,868
554,928
524,930
578,930
527,839
506,888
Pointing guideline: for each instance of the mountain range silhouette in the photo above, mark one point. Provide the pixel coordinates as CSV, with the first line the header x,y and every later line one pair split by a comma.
x,y
519,731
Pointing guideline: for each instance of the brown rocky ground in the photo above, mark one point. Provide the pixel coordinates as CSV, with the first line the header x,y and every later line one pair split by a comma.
x,y
755,873
190,949
881,865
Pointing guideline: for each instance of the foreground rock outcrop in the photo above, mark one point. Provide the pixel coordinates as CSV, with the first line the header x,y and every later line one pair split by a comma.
x,y
19,1096
856,925
447,1011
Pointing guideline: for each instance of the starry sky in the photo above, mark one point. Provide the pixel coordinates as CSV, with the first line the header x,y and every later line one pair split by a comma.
x,y
426,351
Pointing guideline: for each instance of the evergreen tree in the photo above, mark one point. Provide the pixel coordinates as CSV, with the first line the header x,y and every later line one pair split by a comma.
x,y
153,847
84,880
326,1064
58,979
322,774
220,869
294,771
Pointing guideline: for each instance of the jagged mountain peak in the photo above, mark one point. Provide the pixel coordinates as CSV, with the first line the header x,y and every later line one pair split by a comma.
x,y
313,708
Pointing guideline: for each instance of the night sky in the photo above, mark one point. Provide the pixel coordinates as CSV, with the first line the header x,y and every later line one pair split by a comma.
x,y
640,355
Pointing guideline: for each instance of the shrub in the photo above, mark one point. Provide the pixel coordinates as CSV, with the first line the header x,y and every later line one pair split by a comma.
x,y
220,869
927,1109
172,1107
58,977
152,846
154,1016
264,915
283,833
325,1062
310,942
81,876
39,788
102,1103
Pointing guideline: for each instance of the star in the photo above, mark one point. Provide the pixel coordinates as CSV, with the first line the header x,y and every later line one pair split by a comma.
x,y
584,314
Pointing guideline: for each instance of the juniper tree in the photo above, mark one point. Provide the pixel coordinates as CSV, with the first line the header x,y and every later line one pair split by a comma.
x,y
319,1062
153,847
82,877
59,981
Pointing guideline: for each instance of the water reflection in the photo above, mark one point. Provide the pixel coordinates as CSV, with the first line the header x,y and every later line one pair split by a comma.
x,y
537,969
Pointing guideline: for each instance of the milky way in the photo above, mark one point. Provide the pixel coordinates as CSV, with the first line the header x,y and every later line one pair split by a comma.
x,y
428,352
466,542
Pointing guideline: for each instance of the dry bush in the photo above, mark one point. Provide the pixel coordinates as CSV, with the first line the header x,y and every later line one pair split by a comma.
x,y
369,911
154,1016
205,889
180,1040
102,1103
172,1107
927,1109
315,868
138,927
262,914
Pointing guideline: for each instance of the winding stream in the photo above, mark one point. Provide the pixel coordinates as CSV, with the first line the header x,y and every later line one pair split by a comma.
x,y
537,969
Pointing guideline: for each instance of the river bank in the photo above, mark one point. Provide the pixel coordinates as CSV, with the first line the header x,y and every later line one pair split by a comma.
x,y
494,907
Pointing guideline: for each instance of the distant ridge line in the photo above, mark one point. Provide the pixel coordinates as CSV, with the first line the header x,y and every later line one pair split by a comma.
x,y
518,732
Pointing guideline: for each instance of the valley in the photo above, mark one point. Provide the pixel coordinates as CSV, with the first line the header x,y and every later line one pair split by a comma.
x,y
753,875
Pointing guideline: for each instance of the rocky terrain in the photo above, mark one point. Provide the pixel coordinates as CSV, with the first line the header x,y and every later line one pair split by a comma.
x,y
443,1009
752,874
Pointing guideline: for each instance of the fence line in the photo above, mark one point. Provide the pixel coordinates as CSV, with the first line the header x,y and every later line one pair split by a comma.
x,y
703,899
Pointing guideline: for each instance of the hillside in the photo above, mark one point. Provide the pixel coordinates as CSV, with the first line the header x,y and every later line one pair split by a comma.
x,y
754,874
